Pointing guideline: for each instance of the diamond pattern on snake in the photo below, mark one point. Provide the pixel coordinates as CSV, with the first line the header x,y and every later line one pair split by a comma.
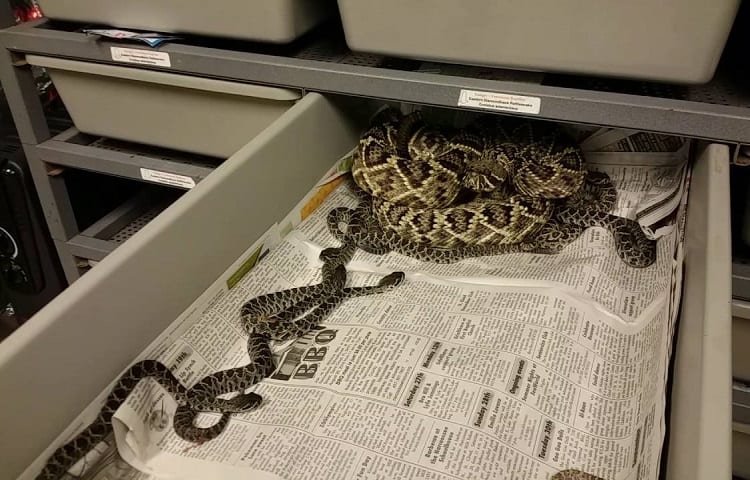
x,y
437,194
500,185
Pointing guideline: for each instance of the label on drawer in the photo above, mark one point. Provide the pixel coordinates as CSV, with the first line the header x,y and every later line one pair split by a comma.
x,y
167,178
502,102
140,56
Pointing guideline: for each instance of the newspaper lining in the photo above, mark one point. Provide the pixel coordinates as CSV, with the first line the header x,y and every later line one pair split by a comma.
x,y
511,366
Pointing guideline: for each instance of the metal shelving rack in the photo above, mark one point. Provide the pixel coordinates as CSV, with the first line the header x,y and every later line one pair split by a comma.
x,y
76,150
321,62
101,238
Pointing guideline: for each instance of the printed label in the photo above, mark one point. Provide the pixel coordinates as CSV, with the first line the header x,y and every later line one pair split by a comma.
x,y
167,178
140,56
500,102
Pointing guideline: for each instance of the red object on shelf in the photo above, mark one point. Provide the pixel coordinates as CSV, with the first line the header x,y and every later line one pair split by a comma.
x,y
28,13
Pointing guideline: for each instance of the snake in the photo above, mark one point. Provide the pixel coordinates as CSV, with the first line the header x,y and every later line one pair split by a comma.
x,y
277,316
67,455
499,185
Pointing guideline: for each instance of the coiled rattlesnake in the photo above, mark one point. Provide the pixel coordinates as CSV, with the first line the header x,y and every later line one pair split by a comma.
x,y
496,186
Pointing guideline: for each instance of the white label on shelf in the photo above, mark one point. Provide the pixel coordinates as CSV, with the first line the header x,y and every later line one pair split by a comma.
x,y
140,56
500,101
167,178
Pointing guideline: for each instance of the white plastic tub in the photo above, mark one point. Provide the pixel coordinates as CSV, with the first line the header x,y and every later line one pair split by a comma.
x,y
277,21
671,40
93,330
192,114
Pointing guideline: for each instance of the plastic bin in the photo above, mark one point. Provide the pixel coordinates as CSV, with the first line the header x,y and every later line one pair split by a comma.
x,y
93,330
159,272
192,114
669,40
277,21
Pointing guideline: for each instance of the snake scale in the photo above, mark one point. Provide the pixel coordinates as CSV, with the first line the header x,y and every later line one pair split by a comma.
x,y
488,189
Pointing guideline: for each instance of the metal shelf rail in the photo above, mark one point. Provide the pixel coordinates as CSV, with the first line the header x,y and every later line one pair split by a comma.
x,y
122,159
719,110
321,62
46,154
101,238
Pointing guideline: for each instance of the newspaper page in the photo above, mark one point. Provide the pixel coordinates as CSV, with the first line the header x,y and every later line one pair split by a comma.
x,y
514,366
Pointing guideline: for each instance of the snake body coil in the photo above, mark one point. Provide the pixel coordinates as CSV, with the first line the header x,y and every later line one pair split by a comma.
x,y
496,186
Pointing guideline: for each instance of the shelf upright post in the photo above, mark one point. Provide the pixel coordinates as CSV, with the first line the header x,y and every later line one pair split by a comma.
x,y
28,114
7,18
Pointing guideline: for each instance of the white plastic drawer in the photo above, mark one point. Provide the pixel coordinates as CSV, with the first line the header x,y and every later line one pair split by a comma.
x,y
60,360
90,334
278,21
192,114
669,40
700,429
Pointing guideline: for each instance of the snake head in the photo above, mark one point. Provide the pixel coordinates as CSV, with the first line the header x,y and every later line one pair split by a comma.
x,y
245,402
392,280
329,254
386,114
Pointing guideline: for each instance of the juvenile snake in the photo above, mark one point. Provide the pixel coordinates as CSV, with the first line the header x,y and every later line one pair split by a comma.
x,y
275,316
